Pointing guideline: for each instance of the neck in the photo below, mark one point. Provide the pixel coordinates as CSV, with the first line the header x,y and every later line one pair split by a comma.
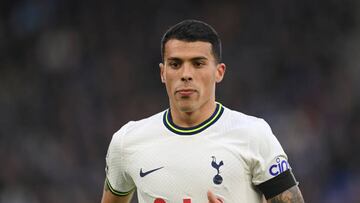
x,y
193,117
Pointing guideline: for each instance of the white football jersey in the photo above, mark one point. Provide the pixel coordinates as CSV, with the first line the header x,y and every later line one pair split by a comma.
x,y
230,153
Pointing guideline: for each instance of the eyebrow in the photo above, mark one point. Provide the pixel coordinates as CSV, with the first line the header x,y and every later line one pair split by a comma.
x,y
199,58
192,59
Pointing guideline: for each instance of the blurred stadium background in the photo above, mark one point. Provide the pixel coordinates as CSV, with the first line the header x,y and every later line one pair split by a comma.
x,y
73,72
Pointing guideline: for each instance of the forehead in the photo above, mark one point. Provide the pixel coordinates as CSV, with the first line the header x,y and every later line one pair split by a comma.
x,y
185,50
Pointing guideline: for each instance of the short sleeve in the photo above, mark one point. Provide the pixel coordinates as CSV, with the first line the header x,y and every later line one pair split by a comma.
x,y
117,178
269,162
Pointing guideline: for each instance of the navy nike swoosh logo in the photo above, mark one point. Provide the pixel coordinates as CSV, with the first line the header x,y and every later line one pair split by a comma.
x,y
142,174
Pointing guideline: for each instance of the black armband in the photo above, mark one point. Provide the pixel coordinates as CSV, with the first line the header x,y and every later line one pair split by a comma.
x,y
278,184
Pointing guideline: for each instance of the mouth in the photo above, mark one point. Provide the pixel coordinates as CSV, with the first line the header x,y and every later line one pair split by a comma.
x,y
185,92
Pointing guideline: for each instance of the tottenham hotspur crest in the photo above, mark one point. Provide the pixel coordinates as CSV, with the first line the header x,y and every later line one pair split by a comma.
x,y
217,178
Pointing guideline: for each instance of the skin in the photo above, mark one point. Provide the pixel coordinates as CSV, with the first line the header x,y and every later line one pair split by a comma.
x,y
190,73
212,198
292,195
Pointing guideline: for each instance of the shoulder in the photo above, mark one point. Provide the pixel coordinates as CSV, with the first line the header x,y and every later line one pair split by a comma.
x,y
250,129
241,120
134,136
139,127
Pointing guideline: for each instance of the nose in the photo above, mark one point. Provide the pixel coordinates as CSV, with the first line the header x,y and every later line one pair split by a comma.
x,y
187,74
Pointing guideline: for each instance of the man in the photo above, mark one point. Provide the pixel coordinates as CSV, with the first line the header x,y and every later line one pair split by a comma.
x,y
197,151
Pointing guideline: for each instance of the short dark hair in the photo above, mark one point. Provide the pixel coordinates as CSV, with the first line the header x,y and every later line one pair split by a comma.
x,y
191,31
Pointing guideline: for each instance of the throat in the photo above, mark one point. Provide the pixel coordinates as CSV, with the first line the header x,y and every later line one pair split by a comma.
x,y
188,119
190,123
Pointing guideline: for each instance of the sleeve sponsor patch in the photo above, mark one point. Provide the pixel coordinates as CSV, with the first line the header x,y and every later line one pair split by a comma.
x,y
280,165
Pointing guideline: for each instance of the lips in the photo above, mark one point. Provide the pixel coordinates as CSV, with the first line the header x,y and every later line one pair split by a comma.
x,y
185,92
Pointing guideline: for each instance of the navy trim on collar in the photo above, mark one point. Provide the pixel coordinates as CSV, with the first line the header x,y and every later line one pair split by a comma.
x,y
169,124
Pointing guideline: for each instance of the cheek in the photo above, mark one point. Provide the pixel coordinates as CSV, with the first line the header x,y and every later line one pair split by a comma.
x,y
208,84
170,81
208,79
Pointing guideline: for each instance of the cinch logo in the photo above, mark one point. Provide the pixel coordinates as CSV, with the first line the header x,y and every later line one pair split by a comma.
x,y
278,168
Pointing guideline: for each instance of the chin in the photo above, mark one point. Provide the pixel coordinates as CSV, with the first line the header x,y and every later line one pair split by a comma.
x,y
186,106
186,109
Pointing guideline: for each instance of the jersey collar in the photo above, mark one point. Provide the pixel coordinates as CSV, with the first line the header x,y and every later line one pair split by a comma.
x,y
169,124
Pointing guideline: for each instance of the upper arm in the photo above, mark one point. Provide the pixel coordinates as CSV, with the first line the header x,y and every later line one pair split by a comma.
x,y
292,195
118,186
271,171
118,180
109,197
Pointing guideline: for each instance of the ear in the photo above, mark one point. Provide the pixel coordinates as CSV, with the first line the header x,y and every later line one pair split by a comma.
x,y
162,72
220,72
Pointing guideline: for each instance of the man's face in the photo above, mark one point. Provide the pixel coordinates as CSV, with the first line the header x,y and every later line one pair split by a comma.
x,y
190,73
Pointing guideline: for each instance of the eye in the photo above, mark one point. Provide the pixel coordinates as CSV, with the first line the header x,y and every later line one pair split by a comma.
x,y
174,64
199,64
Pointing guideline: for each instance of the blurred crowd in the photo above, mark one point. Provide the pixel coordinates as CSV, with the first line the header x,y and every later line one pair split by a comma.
x,y
73,72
